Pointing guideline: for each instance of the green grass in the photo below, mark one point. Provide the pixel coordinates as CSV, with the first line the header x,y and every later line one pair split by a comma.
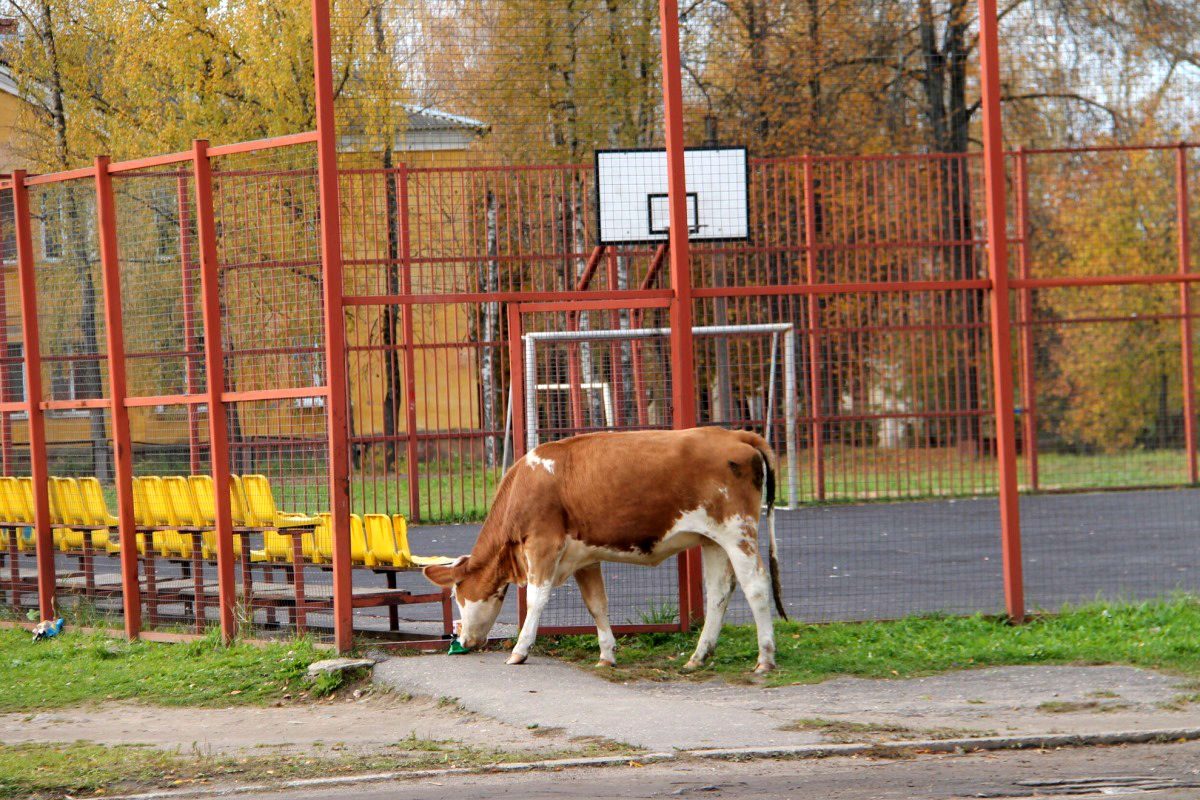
x,y
57,770
76,668
868,473
1159,635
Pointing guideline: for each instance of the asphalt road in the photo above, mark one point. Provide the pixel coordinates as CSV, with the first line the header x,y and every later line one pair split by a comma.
x,y
1088,772
885,560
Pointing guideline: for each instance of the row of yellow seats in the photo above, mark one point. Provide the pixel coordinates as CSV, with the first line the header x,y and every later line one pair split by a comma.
x,y
173,502
16,508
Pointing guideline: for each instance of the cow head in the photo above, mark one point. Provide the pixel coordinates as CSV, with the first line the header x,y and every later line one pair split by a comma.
x,y
478,599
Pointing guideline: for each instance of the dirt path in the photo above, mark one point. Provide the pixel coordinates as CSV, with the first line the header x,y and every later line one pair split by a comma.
x,y
373,723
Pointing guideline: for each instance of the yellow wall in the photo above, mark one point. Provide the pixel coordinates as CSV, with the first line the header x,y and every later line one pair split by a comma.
x,y
10,108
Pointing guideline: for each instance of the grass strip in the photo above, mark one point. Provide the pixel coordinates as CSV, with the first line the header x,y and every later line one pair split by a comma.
x,y
76,668
1158,634
82,768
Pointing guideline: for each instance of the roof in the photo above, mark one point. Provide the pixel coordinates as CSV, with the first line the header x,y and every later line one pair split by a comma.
x,y
8,84
424,118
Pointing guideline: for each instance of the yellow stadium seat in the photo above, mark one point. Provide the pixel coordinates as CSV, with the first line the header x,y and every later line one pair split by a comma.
x,y
75,511
186,502
177,545
388,537
143,512
400,527
23,497
382,541
26,497
7,515
260,505
93,497
12,512
205,498
10,504
67,539
360,553
97,506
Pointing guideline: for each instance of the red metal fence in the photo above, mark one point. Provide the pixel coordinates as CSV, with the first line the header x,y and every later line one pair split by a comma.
x,y
356,336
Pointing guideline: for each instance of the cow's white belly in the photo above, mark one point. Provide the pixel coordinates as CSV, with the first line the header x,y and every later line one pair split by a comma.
x,y
576,554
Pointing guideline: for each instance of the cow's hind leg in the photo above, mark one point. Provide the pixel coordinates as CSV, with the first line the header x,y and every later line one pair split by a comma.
x,y
748,567
591,586
718,589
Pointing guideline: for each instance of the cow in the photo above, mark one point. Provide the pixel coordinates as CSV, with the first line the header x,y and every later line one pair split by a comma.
x,y
636,497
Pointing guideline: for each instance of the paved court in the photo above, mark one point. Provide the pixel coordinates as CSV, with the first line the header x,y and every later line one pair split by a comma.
x,y
881,560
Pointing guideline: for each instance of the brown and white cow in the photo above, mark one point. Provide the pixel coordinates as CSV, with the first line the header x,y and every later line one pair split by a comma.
x,y
636,498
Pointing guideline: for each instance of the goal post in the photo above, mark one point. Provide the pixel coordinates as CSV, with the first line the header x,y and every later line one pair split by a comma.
x,y
782,338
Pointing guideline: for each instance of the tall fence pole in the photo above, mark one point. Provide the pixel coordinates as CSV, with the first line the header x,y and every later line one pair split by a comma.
x,y
683,379
335,329
997,251
1183,210
38,466
214,370
114,331
409,353
189,323
1028,374
817,433
6,441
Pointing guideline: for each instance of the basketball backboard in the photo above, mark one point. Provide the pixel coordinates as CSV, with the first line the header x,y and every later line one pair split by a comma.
x,y
632,198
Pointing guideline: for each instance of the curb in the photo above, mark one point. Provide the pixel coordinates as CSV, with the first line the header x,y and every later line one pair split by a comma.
x,y
378,777
807,751
980,743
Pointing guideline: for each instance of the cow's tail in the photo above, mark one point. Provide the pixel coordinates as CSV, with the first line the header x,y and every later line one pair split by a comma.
x,y
769,461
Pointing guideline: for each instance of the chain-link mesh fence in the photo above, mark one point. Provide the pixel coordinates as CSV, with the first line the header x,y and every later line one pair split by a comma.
x,y
468,134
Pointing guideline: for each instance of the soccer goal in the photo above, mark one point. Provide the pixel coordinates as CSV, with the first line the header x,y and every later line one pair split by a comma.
x,y
622,382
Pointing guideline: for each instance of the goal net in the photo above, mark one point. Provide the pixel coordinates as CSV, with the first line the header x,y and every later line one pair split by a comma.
x,y
577,381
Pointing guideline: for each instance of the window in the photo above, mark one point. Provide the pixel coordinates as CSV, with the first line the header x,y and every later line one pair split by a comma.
x,y
308,369
8,231
53,234
14,373
74,377
66,215
164,202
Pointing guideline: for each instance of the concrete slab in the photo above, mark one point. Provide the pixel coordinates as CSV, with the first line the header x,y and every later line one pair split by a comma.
x,y
685,716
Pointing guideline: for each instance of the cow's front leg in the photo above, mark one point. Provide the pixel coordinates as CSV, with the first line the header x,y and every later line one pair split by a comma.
x,y
543,564
536,597
748,568
591,586
718,589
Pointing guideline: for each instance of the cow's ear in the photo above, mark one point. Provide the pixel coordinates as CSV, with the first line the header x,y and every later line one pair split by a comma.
x,y
444,575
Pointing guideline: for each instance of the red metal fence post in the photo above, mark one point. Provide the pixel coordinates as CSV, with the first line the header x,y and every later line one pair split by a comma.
x,y
1028,394
6,440
335,329
214,369
516,383
814,332
189,325
38,466
683,390
997,249
1182,208
412,454
114,329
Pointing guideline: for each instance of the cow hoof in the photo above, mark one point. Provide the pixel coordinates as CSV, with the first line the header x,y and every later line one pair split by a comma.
x,y
692,665
763,669
604,662
516,659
